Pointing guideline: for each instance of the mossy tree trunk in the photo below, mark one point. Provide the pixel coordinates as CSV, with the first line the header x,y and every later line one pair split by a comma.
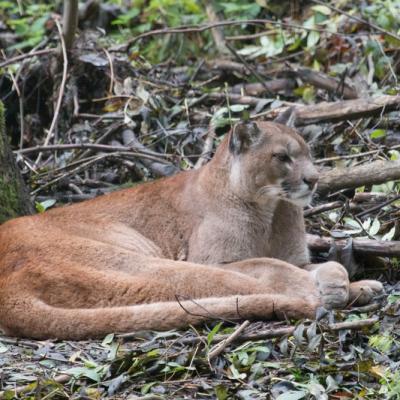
x,y
14,198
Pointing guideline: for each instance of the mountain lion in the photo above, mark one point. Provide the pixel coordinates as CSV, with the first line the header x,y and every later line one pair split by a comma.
x,y
177,251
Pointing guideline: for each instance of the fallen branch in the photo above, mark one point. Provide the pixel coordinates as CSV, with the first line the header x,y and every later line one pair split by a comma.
x,y
323,81
360,246
21,57
92,146
322,208
368,174
217,350
257,89
267,333
340,110
353,325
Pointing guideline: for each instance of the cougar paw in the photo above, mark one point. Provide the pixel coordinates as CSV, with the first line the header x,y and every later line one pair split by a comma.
x,y
362,292
332,283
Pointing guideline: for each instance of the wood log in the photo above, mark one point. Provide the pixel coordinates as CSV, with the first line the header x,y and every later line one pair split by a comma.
x,y
367,174
360,246
341,110
257,89
322,81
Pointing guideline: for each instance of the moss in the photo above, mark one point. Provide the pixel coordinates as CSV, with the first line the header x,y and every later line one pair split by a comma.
x,y
2,119
14,200
9,201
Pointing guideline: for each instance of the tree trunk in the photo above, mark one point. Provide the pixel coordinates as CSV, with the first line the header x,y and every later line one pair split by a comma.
x,y
14,198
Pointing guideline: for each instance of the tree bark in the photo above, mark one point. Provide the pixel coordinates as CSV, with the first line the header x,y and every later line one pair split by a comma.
x,y
360,246
70,22
342,110
14,198
372,173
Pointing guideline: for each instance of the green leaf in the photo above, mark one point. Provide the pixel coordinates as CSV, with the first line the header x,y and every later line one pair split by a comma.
x,y
92,373
292,395
377,133
235,373
221,392
213,332
394,155
322,9
389,235
309,94
392,298
125,18
382,343
146,387
44,205
376,225
312,39
108,339
3,348
39,208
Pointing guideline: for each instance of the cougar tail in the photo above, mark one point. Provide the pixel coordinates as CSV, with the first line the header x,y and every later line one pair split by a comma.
x,y
35,319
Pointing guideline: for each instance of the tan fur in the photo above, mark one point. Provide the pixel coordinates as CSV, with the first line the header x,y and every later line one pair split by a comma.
x,y
120,262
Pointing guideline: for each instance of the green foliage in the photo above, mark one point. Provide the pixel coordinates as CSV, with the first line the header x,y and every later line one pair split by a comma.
x,y
213,332
382,343
44,205
238,9
377,133
390,385
28,23
384,13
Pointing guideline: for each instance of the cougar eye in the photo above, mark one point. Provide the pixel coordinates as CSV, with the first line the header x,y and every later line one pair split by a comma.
x,y
283,157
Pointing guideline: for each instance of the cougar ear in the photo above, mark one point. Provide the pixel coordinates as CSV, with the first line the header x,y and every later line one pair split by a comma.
x,y
242,136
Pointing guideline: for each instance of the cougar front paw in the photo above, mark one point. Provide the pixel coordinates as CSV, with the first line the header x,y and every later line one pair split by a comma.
x,y
362,292
333,285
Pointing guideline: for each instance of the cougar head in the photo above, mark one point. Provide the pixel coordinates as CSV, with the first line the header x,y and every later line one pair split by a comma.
x,y
270,160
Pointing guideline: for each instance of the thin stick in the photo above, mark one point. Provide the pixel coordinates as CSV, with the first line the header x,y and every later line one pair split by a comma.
x,y
92,146
112,79
205,27
26,55
378,207
271,333
360,324
358,155
252,70
62,88
226,342
322,208
207,148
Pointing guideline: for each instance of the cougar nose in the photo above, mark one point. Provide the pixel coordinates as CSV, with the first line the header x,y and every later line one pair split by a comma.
x,y
311,181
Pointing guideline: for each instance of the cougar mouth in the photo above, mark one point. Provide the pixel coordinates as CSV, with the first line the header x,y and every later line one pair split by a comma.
x,y
301,200
300,196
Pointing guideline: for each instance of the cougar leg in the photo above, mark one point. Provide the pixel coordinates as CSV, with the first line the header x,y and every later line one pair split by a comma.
x,y
33,318
332,277
78,302
362,292
332,282
279,276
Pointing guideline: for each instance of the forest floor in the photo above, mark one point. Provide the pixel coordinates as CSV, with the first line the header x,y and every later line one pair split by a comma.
x,y
136,100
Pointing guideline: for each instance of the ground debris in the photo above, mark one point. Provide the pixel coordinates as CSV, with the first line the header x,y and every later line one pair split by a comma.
x,y
151,98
